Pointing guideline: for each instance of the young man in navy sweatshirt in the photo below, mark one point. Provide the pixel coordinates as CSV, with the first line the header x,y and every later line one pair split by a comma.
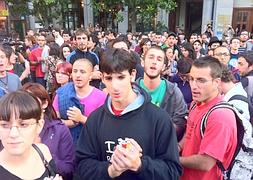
x,y
128,137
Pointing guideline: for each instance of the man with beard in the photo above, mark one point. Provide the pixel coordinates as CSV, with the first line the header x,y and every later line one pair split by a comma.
x,y
82,38
163,93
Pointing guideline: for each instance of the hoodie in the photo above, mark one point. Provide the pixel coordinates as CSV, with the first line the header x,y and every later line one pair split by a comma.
x,y
147,124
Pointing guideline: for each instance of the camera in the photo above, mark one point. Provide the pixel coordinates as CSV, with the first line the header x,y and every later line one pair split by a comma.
x,y
20,48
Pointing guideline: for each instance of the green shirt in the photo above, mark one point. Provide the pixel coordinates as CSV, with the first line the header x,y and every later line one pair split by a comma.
x,y
157,94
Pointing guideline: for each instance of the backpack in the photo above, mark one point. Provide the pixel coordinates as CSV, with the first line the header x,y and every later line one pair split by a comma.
x,y
237,164
247,100
249,90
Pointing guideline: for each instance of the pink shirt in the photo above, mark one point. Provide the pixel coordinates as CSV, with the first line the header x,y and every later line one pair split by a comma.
x,y
219,139
91,102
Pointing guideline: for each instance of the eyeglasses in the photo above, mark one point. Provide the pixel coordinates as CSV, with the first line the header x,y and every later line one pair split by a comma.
x,y
22,126
199,81
222,54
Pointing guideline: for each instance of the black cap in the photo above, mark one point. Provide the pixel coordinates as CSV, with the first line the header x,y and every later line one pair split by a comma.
x,y
197,41
213,40
172,34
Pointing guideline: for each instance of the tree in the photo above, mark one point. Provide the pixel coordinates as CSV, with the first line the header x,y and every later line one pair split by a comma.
x,y
44,10
147,9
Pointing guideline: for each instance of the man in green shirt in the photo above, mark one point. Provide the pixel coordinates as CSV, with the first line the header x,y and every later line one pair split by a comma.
x,y
163,93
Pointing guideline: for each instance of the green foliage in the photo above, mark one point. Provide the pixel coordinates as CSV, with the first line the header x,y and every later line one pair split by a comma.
x,y
146,9
119,17
44,10
160,27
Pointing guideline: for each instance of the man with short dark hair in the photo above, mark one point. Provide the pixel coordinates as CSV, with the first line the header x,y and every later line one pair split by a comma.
x,y
234,51
244,37
37,57
164,94
171,43
193,37
223,55
200,153
9,82
128,137
66,37
245,67
123,43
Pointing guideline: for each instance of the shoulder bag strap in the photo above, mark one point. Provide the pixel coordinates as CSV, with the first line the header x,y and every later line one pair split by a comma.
x,y
46,164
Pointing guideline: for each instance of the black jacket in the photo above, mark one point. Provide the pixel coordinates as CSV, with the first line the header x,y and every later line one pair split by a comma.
x,y
148,125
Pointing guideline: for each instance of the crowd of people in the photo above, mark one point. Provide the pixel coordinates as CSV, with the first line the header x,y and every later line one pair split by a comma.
x,y
101,105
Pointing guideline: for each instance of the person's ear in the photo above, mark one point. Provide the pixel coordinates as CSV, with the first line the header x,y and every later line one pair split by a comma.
x,y
44,105
133,75
217,81
250,67
164,67
142,62
103,78
40,126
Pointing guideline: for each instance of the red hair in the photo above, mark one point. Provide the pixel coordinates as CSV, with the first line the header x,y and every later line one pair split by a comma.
x,y
65,67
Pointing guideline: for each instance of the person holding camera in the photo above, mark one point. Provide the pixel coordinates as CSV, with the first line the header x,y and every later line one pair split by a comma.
x,y
17,62
209,30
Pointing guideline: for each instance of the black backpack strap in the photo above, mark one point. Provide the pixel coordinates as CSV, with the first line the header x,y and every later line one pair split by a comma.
x,y
46,164
193,106
248,100
205,117
240,134
239,97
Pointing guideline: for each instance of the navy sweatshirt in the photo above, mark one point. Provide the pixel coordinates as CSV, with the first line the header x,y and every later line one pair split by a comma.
x,y
148,125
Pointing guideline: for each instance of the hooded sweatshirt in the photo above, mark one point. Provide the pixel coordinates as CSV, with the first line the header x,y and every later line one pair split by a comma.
x,y
147,124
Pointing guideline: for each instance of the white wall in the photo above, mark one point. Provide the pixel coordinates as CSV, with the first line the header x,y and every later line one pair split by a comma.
x,y
123,26
222,16
87,13
182,12
243,3
163,16
206,14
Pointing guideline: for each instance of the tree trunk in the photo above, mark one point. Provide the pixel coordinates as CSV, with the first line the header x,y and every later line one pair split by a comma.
x,y
133,16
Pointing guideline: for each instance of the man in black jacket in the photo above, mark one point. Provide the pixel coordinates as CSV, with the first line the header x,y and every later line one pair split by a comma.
x,y
128,137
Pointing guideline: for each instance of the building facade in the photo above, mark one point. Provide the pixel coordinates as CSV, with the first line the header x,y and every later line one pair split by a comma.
x,y
194,15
